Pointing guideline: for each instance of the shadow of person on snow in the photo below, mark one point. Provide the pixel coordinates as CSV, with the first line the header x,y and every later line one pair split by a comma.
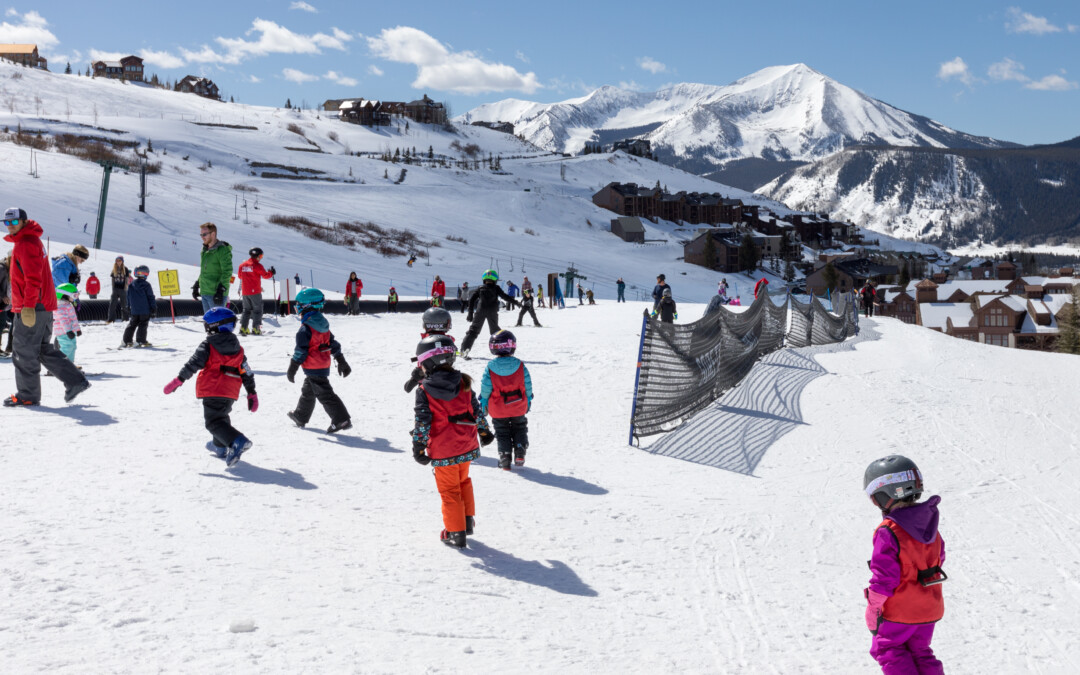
x,y
249,473
554,575
377,444
88,417
550,479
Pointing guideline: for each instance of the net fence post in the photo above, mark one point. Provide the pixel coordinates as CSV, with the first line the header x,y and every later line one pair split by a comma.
x,y
637,375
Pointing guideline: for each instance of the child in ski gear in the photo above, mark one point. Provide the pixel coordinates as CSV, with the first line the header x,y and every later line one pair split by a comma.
x,y
93,286
447,421
221,367
143,305
904,599
436,321
485,303
315,345
251,274
539,295
506,394
527,306
392,300
666,308
590,296
6,316
65,321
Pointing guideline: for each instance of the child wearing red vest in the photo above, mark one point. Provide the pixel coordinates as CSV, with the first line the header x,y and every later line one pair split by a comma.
x,y
315,345
448,418
436,321
222,368
904,599
506,394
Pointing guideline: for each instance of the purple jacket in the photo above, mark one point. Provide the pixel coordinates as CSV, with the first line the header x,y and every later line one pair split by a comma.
x,y
921,522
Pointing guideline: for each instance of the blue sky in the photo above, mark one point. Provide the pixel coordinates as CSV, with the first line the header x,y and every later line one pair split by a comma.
x,y
1011,71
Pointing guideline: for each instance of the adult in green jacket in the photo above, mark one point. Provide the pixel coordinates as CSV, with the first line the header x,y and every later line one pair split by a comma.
x,y
215,269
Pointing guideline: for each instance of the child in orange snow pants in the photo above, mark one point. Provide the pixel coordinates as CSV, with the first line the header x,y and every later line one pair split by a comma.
x,y
455,488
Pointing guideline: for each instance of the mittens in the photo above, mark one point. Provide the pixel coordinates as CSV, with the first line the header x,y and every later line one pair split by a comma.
x,y
173,385
28,316
343,367
486,437
195,291
219,295
291,373
420,454
253,402
874,610
70,335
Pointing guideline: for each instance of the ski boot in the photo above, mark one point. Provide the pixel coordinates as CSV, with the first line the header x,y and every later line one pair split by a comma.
x,y
504,461
75,390
519,455
142,345
295,418
256,331
469,525
465,354
126,345
14,401
216,449
239,446
244,331
455,539
339,426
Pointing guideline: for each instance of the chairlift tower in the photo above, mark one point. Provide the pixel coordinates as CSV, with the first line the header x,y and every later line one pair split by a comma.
x,y
108,166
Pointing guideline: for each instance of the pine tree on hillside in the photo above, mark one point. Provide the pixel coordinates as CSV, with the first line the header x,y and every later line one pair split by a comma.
x,y
905,275
288,103
830,276
789,272
709,254
748,259
67,71
1068,341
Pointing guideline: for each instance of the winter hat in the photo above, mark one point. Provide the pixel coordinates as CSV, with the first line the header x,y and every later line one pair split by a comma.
x,y
661,277
80,252
14,214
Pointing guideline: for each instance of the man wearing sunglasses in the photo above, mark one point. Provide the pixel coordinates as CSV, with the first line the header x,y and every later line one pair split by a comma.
x,y
33,300
215,269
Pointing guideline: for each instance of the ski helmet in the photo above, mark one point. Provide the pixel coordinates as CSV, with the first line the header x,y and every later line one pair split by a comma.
x,y
434,351
310,299
255,252
220,320
502,343
66,289
892,479
142,271
437,320
490,275
667,292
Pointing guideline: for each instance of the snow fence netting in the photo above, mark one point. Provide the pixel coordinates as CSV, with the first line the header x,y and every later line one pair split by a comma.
x,y
685,367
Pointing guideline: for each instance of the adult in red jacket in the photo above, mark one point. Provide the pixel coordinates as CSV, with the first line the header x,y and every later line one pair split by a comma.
x,y
760,286
251,274
353,289
438,288
33,300
93,286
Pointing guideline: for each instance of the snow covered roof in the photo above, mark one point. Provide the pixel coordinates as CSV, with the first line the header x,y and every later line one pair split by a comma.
x,y
1044,281
1014,302
936,314
984,299
1029,325
972,286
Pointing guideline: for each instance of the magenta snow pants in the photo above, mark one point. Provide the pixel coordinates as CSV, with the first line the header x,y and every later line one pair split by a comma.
x,y
904,649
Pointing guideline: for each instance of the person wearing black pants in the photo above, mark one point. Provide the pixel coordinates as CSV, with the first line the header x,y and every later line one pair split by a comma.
x,y
527,306
216,411
118,301
484,306
318,388
143,305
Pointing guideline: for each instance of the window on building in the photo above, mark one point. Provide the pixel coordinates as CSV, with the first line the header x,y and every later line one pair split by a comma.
x,y
998,340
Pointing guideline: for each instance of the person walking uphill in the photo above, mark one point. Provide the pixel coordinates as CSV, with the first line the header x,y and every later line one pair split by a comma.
x,y
118,304
33,300
315,345
251,274
215,269
354,287
484,306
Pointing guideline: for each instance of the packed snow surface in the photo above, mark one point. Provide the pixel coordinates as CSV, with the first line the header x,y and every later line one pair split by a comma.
x,y
127,547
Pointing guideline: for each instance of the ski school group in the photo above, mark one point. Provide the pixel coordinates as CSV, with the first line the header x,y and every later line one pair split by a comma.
x,y
904,598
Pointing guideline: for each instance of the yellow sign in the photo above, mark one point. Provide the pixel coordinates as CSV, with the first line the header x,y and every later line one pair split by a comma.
x,y
169,282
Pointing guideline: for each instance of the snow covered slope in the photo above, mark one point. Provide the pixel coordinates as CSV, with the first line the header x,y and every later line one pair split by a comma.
x,y
533,215
778,113
126,547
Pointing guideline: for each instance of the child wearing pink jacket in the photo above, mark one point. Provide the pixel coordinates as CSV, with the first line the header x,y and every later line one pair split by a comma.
x,y
65,321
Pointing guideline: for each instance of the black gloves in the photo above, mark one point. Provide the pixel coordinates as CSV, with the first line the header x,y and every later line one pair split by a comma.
x,y
418,453
291,373
79,333
343,368
414,379
74,278
273,272
486,437
71,334
468,317
219,295
195,291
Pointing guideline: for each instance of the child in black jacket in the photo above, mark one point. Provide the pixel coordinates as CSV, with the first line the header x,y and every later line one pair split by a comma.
x,y
143,306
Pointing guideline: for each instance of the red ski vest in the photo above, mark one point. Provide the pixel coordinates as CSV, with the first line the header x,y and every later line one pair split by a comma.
x,y
508,397
318,351
453,426
221,375
912,602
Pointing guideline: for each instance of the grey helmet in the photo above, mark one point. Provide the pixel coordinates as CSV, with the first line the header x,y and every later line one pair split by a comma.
x,y
435,350
892,479
437,320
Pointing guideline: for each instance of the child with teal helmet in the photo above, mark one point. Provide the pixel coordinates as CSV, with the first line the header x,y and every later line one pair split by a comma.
x,y
65,320
315,346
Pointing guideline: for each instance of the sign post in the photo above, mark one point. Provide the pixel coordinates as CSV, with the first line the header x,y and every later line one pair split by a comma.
x,y
169,285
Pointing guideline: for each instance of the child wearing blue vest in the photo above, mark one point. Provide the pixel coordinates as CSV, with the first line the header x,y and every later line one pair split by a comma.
x,y
315,345
904,599
506,394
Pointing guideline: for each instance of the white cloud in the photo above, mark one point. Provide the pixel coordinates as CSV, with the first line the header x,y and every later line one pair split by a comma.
x,y
161,59
1022,22
299,77
440,69
1073,28
652,65
375,70
1051,83
98,55
11,11
955,69
204,55
1008,70
631,86
336,77
30,29
276,39
303,6
520,56
254,80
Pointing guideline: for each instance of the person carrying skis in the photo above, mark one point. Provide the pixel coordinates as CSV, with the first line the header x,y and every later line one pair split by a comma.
x,y
392,300
506,394
436,321
143,306
447,420
221,367
66,321
667,310
33,300
904,599
251,274
93,286
527,306
354,288
315,345
484,306
215,269
118,304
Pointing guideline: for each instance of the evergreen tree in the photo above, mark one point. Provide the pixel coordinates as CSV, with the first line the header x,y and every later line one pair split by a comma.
x,y
67,71
430,152
789,272
748,255
710,252
288,103
1068,341
830,276
905,275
